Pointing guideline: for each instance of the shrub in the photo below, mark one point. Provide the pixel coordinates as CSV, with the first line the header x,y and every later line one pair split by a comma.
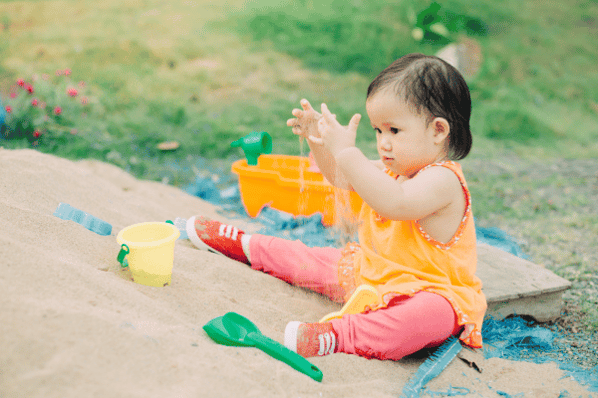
x,y
45,107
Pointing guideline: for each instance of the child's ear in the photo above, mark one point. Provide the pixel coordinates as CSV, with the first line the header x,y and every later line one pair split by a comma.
x,y
441,128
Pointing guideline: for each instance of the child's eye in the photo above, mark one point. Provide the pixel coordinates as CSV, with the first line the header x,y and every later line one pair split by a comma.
x,y
394,130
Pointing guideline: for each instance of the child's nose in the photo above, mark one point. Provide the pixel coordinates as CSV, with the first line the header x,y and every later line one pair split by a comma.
x,y
385,144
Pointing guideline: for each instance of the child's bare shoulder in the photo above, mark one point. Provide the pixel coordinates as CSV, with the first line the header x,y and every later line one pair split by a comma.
x,y
439,180
440,174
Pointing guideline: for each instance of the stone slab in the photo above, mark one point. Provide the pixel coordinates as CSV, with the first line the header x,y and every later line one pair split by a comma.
x,y
515,286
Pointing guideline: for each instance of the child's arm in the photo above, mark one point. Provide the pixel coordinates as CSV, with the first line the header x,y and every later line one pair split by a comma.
x,y
305,124
413,199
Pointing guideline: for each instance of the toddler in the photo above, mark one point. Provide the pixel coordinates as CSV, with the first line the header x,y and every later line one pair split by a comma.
x,y
417,244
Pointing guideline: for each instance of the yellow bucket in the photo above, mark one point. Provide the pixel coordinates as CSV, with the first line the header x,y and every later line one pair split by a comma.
x,y
149,248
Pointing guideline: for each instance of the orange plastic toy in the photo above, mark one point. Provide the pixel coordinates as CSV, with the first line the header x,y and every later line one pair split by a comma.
x,y
285,183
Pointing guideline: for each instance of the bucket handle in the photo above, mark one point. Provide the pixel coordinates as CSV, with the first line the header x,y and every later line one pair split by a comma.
x,y
124,250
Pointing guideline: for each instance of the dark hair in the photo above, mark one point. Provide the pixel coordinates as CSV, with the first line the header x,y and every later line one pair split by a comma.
x,y
432,88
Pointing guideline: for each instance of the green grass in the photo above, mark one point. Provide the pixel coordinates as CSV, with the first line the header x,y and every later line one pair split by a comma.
x,y
537,72
205,74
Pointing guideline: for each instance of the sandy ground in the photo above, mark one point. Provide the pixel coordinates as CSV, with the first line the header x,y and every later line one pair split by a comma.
x,y
72,324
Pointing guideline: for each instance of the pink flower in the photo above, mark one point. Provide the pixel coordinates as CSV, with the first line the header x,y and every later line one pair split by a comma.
x,y
84,100
45,76
13,94
36,134
74,131
20,82
34,102
29,88
8,109
81,83
67,72
72,92
57,110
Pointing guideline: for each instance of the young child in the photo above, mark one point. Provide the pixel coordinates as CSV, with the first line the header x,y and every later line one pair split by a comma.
x,y
417,244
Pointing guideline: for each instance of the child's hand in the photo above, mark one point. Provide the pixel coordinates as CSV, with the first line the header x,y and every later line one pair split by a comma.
x,y
334,136
306,122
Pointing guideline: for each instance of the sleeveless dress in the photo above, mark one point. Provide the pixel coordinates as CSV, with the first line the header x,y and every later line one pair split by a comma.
x,y
399,259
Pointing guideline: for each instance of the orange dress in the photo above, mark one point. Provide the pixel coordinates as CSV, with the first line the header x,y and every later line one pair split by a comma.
x,y
399,259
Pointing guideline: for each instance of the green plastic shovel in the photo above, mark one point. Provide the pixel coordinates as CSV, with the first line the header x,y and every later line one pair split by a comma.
x,y
233,329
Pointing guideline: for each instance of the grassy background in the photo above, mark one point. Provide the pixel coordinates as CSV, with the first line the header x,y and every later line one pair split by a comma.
x,y
205,74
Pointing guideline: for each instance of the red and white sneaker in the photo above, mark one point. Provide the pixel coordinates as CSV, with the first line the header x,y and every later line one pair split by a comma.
x,y
213,235
311,339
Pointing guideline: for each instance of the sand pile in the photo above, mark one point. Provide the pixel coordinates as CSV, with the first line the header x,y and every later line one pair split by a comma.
x,y
72,324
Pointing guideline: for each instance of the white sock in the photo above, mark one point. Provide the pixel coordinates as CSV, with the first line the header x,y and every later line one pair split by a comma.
x,y
245,244
290,335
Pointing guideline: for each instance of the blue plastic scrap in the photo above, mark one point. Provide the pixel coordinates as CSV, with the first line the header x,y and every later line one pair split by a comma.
x,y
277,220
507,395
451,392
308,230
204,188
511,335
432,367
181,225
498,238
2,113
65,211
231,194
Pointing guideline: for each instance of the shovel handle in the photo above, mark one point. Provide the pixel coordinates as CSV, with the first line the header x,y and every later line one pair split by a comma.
x,y
280,352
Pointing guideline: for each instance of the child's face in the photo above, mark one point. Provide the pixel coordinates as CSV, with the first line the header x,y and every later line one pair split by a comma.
x,y
405,143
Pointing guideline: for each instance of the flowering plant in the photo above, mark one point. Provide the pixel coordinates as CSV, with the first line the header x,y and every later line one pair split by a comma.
x,y
42,106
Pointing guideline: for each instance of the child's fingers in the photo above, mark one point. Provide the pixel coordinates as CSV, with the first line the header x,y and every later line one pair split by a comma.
x,y
326,113
305,104
354,122
322,124
292,122
316,140
297,112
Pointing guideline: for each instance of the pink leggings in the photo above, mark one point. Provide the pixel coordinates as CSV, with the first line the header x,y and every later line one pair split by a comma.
x,y
407,325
